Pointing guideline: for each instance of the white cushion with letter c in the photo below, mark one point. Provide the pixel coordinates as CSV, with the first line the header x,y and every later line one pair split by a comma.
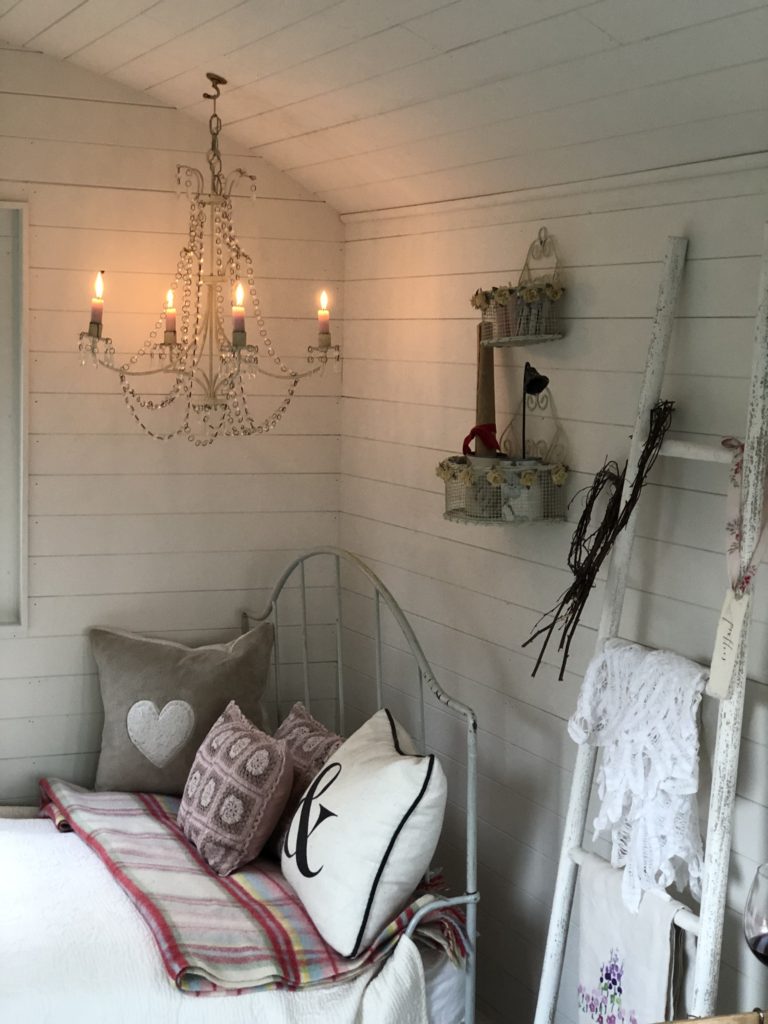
x,y
364,833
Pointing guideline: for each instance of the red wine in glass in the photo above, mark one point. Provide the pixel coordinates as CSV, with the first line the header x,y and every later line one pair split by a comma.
x,y
759,946
756,915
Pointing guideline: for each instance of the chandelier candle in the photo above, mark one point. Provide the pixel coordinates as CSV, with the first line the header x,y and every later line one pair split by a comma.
x,y
238,319
97,306
170,319
323,322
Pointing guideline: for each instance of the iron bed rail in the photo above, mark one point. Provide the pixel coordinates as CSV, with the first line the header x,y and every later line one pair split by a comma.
x,y
381,594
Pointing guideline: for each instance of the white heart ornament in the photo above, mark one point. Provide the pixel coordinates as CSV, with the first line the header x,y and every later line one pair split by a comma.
x,y
160,735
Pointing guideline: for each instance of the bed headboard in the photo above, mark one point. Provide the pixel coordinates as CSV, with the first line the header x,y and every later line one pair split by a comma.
x,y
294,626
348,599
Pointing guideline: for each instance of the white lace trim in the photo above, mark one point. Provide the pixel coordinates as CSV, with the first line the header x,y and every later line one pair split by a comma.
x,y
641,707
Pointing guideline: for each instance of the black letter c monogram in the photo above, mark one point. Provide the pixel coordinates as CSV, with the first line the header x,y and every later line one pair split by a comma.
x,y
303,831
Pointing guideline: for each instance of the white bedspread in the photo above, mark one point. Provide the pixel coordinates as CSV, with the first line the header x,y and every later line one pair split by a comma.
x,y
73,950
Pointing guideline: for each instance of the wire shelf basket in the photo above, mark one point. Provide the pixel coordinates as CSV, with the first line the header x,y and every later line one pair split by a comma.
x,y
523,321
528,313
494,490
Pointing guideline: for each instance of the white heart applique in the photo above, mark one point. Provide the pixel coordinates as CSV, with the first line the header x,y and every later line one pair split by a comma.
x,y
160,735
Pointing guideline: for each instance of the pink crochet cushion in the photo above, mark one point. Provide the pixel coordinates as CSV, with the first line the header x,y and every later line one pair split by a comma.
x,y
310,744
235,792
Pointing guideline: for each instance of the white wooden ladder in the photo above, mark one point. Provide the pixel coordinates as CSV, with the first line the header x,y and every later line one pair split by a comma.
x,y
708,925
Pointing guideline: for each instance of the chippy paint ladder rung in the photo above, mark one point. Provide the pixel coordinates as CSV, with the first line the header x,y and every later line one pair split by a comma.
x,y
684,918
695,451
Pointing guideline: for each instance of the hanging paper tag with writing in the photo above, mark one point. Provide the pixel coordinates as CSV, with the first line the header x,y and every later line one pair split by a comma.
x,y
733,618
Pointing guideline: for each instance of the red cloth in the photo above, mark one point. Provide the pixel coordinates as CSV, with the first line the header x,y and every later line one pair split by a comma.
x,y
485,432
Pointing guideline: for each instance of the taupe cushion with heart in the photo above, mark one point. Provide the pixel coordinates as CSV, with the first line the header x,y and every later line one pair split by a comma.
x,y
161,698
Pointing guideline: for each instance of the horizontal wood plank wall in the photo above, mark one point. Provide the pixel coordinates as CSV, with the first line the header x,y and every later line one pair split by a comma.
x,y
475,591
126,531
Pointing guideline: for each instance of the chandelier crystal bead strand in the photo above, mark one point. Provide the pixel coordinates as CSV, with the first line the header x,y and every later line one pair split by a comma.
x,y
189,340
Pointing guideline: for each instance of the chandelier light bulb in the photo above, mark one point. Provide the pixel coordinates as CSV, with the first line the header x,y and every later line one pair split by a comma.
x,y
323,300
98,287
239,294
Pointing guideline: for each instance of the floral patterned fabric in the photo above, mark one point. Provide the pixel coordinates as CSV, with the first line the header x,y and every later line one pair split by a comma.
x,y
603,1002
236,791
630,965
742,579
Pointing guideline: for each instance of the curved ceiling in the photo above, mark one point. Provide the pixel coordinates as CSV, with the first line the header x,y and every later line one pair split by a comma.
x,y
377,104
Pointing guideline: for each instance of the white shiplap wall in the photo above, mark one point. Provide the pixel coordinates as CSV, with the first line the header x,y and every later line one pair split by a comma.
x,y
125,530
475,592
174,540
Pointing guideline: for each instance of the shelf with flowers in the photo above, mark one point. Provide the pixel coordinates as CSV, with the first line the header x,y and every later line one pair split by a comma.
x,y
491,485
499,489
527,313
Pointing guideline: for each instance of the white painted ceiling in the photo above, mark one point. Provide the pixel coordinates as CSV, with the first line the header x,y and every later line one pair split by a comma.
x,y
387,103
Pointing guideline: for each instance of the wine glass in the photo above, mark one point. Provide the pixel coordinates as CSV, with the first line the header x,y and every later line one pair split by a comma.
x,y
756,915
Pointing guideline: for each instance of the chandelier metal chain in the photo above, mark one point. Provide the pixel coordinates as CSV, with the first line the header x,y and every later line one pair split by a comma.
x,y
209,366
214,125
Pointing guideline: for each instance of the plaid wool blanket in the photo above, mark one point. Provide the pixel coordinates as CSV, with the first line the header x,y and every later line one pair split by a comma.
x,y
218,935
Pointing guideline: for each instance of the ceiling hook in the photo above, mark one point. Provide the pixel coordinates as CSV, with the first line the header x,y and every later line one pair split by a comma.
x,y
216,81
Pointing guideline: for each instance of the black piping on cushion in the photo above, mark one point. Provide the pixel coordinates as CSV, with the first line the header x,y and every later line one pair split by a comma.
x,y
395,834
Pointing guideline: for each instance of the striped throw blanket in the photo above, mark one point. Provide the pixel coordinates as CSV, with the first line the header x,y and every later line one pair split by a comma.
x,y
217,935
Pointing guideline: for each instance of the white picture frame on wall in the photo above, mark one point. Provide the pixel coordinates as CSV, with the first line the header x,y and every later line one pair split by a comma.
x,y
14,320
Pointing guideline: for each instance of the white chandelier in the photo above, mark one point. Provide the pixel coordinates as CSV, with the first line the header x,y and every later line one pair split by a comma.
x,y
208,367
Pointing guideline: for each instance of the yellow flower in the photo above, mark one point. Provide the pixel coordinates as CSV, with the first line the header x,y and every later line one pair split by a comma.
x,y
494,477
528,478
466,476
559,474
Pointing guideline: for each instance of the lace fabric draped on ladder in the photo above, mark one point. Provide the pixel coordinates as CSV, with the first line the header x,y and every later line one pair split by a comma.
x,y
641,707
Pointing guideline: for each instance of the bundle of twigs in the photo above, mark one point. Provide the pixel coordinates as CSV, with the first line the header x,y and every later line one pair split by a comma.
x,y
591,545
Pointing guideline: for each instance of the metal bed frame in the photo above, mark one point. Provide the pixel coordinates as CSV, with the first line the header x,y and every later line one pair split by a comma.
x,y
382,596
